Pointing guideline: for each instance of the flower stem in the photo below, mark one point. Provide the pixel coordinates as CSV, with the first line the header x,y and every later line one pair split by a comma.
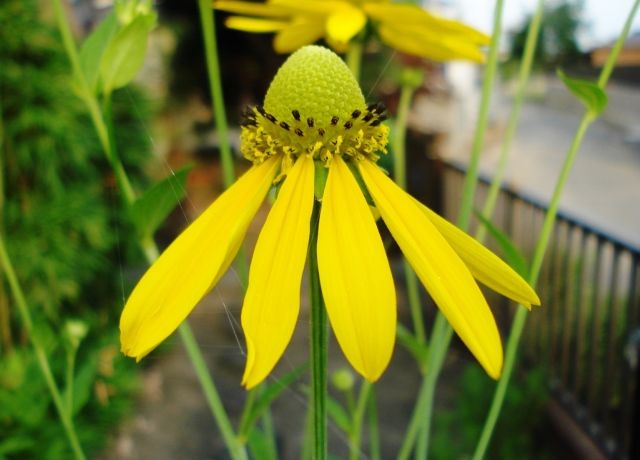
x,y
514,116
400,177
543,242
149,247
318,345
358,416
374,435
442,332
64,411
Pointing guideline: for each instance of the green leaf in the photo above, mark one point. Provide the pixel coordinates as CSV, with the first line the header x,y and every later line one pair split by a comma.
x,y
269,394
152,208
512,254
409,341
94,46
124,54
338,414
593,97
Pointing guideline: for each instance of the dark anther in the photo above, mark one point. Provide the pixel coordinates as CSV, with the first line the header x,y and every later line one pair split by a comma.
x,y
355,114
299,132
321,131
367,117
310,122
283,124
348,124
382,118
248,122
376,122
372,107
334,120
248,112
270,117
260,109
381,107
296,115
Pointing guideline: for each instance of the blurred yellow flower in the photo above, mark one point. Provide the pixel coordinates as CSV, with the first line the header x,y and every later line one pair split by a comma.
x,y
405,27
315,119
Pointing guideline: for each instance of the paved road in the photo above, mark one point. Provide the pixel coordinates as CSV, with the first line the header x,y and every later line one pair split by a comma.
x,y
604,186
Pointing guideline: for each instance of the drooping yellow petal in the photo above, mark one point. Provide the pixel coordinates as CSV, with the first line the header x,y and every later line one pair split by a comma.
x,y
438,267
415,40
267,10
192,264
412,15
255,25
272,301
355,276
343,24
484,265
298,34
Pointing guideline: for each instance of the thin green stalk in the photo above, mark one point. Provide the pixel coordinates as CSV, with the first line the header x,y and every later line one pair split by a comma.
x,y
358,417
543,241
442,332
70,371
471,178
354,56
400,177
318,346
63,413
422,414
374,434
215,87
236,450
514,116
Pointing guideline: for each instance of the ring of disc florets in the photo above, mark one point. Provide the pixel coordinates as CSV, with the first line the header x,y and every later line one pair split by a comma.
x,y
360,136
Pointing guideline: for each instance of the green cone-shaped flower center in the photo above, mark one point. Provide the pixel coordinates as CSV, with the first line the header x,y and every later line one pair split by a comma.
x,y
316,82
314,106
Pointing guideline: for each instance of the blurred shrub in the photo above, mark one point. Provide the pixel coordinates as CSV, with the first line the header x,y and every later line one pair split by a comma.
x,y
65,229
519,433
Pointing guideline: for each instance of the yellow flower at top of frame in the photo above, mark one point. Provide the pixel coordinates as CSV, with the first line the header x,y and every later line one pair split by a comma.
x,y
405,27
315,118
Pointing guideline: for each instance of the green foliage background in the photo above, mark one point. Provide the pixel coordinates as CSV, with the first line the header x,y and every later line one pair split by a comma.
x,y
66,234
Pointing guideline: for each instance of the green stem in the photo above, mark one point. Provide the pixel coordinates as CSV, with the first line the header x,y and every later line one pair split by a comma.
x,y
422,414
442,332
149,247
374,435
471,178
400,177
354,57
41,356
215,87
71,364
358,417
514,116
543,241
318,345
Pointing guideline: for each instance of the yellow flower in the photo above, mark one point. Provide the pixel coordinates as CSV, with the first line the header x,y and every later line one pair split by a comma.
x,y
405,27
315,120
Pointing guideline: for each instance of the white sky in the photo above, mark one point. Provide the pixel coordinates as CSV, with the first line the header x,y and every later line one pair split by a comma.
x,y
604,18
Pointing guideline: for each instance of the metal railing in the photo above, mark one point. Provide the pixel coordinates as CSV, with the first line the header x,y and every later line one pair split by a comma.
x,y
587,332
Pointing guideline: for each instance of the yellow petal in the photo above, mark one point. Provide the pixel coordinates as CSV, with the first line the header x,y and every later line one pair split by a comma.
x,y
484,265
252,8
254,25
298,34
355,276
343,24
412,15
439,268
420,42
272,301
190,266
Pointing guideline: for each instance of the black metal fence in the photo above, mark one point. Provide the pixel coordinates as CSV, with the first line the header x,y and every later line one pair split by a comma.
x,y
587,332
